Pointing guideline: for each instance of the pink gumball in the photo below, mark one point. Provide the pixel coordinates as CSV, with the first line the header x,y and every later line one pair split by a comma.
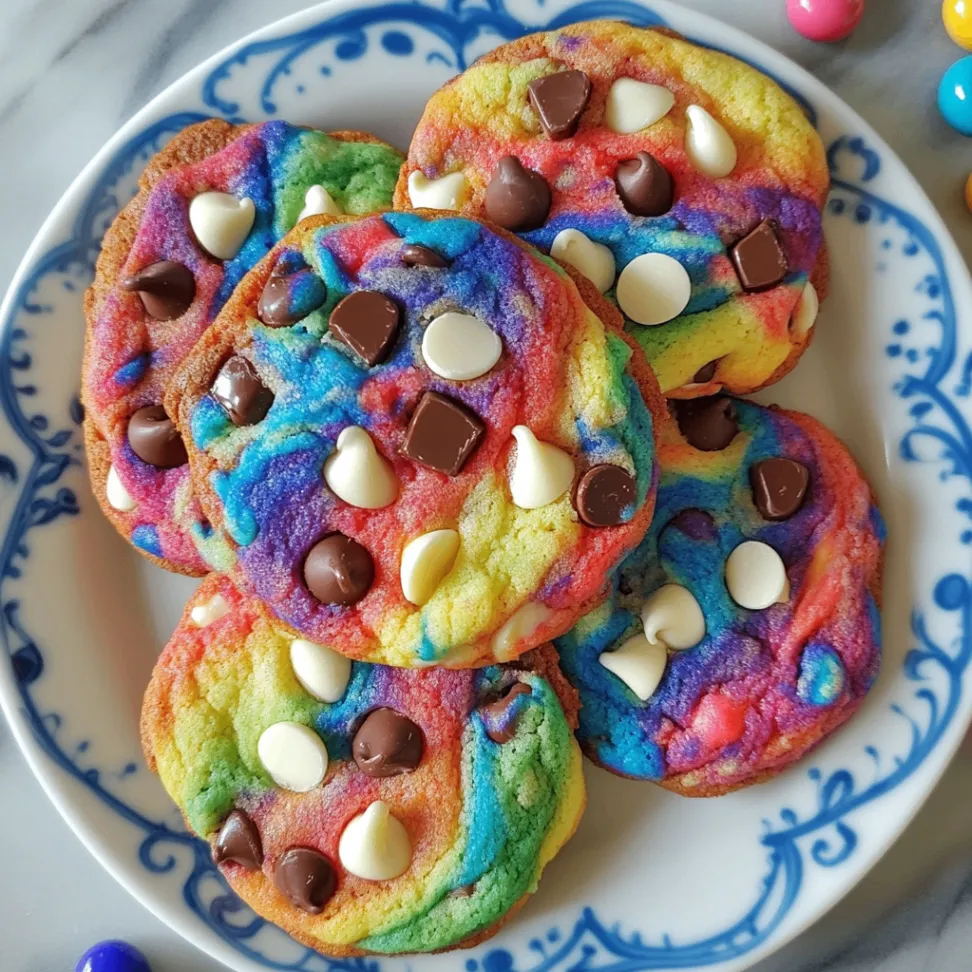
x,y
825,20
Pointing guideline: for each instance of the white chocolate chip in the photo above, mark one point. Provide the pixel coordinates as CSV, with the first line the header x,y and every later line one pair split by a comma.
x,y
639,664
293,755
653,288
805,315
756,576
446,192
375,845
707,144
633,105
460,347
221,222
673,618
203,615
425,562
319,202
118,497
358,474
594,260
541,473
521,624
321,671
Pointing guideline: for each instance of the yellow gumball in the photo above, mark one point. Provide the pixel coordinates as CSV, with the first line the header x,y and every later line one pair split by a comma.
x,y
968,193
957,17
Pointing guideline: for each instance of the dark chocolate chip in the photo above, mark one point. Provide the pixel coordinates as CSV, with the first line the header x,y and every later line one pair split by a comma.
x,y
290,294
500,727
560,100
706,373
338,570
155,439
644,185
414,255
238,389
605,494
759,258
387,744
779,487
167,289
306,878
708,424
239,841
442,434
367,322
517,198
694,523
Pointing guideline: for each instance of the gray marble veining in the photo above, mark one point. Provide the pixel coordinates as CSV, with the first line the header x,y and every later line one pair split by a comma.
x,y
71,71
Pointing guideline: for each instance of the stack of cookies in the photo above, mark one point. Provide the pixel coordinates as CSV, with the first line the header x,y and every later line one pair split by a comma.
x,y
452,439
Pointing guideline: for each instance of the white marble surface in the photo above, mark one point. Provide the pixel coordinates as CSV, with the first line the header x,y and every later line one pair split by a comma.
x,y
71,71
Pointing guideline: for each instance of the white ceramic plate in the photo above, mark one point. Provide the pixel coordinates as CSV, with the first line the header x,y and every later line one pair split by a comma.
x,y
651,881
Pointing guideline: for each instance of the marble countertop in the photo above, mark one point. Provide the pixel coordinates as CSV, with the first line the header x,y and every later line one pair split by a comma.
x,y
71,71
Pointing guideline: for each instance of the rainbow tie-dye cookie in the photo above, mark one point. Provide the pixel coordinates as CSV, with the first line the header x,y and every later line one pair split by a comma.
x,y
745,628
685,184
362,809
423,445
210,206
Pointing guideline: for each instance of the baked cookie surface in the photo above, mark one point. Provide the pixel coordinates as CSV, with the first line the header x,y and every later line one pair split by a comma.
x,y
443,452
687,185
361,808
745,628
210,206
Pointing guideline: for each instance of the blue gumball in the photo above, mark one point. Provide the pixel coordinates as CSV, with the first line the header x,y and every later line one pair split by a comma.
x,y
955,95
112,956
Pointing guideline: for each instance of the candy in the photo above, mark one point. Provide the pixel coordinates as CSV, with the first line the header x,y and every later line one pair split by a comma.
x,y
955,96
112,956
957,17
968,192
825,20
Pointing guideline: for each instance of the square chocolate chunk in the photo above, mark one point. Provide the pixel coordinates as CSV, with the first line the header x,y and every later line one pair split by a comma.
x,y
759,258
442,434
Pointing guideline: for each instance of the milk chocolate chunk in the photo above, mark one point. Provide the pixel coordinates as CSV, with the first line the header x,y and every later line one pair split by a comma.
x,y
367,322
338,570
605,494
644,185
239,842
517,198
779,487
759,258
560,100
708,424
415,255
442,434
155,439
238,389
387,744
306,878
167,289
500,727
